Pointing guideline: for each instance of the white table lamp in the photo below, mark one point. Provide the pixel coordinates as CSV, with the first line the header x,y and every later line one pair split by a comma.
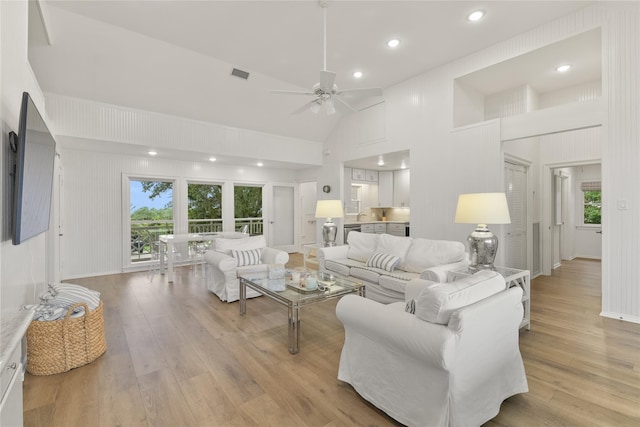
x,y
482,209
329,209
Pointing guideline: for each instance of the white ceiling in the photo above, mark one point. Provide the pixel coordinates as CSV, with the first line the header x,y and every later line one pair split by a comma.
x,y
175,57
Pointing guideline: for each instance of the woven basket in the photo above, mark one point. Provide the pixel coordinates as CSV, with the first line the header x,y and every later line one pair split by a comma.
x,y
61,345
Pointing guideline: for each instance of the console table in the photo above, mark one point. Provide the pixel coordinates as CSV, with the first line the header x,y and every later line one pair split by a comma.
x,y
513,277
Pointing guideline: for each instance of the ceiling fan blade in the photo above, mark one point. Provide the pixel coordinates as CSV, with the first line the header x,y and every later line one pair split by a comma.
x,y
342,101
306,106
365,91
292,92
326,80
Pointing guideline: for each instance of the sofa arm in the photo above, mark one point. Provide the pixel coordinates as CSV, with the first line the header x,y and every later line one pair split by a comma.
x,y
274,256
434,344
220,261
331,252
440,273
415,287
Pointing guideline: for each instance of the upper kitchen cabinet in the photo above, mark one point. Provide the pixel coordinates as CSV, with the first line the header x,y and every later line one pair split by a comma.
x,y
385,189
401,188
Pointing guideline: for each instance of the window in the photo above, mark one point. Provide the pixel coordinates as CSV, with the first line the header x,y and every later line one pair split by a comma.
x,y
592,202
248,209
204,207
151,214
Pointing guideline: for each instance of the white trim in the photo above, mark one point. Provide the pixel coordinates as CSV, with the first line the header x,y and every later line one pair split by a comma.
x,y
619,316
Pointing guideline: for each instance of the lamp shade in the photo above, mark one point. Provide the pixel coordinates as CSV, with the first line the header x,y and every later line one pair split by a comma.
x,y
329,209
482,208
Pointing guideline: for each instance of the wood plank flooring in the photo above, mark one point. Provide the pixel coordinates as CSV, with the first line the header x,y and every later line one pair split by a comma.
x,y
178,356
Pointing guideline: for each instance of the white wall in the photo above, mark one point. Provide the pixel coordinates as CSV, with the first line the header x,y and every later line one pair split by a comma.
x,y
23,268
93,215
446,161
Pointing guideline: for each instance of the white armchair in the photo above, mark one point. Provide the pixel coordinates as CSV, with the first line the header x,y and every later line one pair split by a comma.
x,y
453,370
223,269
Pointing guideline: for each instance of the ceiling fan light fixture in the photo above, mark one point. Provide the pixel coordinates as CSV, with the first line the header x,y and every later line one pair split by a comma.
x,y
329,108
315,107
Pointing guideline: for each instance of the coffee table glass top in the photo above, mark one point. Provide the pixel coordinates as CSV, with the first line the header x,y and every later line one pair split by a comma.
x,y
329,286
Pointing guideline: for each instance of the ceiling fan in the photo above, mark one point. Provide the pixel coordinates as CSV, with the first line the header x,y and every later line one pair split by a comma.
x,y
326,91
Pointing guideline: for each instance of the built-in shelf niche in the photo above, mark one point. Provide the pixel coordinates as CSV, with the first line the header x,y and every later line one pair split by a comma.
x,y
530,82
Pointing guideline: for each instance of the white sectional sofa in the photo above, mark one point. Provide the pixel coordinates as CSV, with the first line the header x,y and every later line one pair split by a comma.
x,y
413,257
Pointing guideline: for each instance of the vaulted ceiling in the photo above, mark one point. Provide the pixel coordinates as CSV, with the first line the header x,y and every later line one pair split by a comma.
x,y
176,57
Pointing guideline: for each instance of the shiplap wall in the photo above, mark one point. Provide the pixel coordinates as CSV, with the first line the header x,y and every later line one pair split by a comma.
x,y
419,115
93,201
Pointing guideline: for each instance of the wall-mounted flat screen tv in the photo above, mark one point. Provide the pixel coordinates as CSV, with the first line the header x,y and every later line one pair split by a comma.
x,y
33,176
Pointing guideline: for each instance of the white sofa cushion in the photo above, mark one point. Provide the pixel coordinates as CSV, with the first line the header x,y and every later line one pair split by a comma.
x,y
226,245
394,245
436,304
337,266
368,274
361,245
427,253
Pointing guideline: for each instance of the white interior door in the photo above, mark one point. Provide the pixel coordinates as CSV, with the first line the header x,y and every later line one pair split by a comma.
x,y
282,224
515,236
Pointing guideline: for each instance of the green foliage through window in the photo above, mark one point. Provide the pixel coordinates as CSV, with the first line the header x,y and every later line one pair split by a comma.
x,y
247,202
205,201
592,207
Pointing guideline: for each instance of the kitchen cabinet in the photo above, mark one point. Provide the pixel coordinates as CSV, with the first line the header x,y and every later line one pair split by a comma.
x,y
401,188
385,189
380,228
371,176
396,229
358,174
364,175
368,228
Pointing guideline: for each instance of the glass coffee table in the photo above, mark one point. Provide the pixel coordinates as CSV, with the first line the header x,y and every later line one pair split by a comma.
x,y
295,297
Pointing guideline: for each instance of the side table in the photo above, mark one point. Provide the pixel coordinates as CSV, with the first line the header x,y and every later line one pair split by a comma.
x,y
513,277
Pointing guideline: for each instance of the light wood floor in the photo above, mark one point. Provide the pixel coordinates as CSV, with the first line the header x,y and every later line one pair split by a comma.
x,y
178,356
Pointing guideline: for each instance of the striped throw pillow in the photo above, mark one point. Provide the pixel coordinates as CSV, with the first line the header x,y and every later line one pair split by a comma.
x,y
248,257
383,261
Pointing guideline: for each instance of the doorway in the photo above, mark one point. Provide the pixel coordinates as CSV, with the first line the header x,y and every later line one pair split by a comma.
x,y
282,224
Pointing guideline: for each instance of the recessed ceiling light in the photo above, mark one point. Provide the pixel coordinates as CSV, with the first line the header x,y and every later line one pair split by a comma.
x,y
260,164
212,159
153,153
563,68
380,161
357,74
393,43
475,16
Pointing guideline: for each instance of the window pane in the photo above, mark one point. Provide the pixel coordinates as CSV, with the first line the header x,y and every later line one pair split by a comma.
x,y
592,207
248,209
205,208
151,207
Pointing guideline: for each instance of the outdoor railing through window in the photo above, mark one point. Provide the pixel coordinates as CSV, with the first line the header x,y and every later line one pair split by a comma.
x,y
144,233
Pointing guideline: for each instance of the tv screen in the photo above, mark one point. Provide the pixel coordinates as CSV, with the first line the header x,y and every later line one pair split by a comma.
x,y
33,177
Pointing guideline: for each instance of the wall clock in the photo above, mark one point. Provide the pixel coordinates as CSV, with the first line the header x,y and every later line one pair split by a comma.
x,y
326,189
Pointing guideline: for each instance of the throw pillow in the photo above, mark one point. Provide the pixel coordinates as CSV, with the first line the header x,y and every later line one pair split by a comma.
x,y
410,307
383,261
248,257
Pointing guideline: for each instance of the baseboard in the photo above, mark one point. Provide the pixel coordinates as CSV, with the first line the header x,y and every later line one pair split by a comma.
x,y
623,317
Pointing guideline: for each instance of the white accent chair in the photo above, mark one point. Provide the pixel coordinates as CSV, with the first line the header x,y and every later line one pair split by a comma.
x,y
453,369
222,268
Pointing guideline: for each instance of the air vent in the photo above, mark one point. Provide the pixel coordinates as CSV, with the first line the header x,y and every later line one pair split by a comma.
x,y
240,73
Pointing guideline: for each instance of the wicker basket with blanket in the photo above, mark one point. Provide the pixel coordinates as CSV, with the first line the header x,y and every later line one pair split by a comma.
x,y
61,345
